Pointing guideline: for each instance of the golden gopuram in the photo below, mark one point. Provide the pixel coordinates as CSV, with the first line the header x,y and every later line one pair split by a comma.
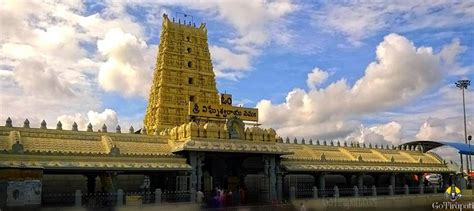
x,y
192,142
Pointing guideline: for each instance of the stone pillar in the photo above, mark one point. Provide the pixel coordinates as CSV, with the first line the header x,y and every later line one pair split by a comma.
x,y
114,179
336,192
292,193
199,164
322,183
390,190
91,183
279,174
392,180
421,183
193,195
421,179
199,197
272,171
158,196
315,192
193,164
360,181
374,190
119,197
407,190
78,198
266,172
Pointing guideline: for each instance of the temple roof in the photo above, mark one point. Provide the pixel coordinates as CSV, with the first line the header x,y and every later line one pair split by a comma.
x,y
71,162
359,158
66,149
52,149
361,167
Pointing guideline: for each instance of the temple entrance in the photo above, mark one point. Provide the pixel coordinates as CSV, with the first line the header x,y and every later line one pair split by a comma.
x,y
237,175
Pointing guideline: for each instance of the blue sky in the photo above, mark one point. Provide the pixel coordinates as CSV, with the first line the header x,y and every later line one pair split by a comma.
x,y
365,71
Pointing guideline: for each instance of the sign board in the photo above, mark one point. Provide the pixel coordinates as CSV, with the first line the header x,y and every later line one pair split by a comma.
x,y
21,193
222,111
226,99
133,200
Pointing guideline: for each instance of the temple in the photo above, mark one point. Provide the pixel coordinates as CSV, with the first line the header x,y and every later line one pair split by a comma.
x,y
193,140
183,74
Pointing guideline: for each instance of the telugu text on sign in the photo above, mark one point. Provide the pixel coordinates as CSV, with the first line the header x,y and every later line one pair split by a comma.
x,y
223,111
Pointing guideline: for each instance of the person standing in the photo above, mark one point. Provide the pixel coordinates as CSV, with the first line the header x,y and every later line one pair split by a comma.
x,y
302,207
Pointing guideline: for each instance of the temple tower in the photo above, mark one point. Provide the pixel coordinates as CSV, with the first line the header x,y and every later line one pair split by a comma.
x,y
183,74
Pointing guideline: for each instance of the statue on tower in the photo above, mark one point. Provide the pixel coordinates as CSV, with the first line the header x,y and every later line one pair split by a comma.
x,y
235,128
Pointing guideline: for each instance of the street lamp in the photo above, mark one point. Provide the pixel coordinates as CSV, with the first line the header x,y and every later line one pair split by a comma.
x,y
469,138
463,84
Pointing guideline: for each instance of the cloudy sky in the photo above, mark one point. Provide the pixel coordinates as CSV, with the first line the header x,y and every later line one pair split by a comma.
x,y
365,71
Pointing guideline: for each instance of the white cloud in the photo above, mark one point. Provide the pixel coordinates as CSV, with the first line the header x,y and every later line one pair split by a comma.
x,y
19,51
256,24
448,154
229,64
389,133
107,117
37,79
6,73
359,20
49,60
356,24
446,129
401,72
316,77
450,53
253,19
129,64
452,50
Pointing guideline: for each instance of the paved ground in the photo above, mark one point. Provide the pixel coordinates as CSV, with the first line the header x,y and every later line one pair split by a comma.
x,y
382,203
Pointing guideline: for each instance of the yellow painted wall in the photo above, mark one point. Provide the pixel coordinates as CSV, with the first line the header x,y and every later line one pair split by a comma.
x,y
183,73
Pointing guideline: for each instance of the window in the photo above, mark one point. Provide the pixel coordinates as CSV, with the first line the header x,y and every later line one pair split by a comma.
x,y
191,98
189,50
190,81
187,38
190,64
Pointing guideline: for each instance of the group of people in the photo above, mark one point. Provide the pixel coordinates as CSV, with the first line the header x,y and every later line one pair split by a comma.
x,y
221,198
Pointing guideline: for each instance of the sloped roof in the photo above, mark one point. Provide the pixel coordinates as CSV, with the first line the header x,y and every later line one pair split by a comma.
x,y
63,149
462,148
52,149
308,158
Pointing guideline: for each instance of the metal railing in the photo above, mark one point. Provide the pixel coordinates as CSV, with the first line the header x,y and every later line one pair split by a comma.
x,y
100,199
176,196
106,199
58,199
314,192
